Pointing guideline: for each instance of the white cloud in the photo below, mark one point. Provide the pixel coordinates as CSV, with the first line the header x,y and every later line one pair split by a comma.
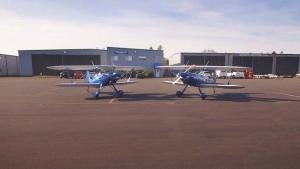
x,y
140,30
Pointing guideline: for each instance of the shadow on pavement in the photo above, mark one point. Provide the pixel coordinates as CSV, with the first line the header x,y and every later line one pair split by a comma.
x,y
230,97
246,97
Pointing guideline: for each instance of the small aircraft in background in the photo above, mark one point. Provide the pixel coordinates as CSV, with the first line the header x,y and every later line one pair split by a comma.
x,y
97,79
201,79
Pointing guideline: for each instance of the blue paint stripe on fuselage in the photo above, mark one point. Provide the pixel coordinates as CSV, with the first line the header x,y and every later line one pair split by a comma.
x,y
105,79
194,79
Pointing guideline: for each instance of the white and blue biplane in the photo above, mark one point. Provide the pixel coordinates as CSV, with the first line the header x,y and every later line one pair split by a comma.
x,y
201,79
97,79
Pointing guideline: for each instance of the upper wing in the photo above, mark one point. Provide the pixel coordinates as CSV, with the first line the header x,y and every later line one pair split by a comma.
x,y
224,86
125,68
78,85
91,84
199,67
72,67
93,67
125,82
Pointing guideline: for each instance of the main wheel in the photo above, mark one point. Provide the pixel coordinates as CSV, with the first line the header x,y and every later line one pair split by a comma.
x,y
120,93
203,96
179,93
97,94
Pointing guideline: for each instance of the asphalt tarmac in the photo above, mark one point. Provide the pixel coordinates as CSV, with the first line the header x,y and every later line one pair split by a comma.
x,y
43,126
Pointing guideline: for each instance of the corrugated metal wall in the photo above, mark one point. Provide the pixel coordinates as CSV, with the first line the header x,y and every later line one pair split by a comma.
x,y
3,68
287,65
203,60
260,65
40,62
242,61
197,60
8,65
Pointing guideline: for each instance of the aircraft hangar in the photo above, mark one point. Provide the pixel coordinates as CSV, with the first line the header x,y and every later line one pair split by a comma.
x,y
35,62
8,65
279,64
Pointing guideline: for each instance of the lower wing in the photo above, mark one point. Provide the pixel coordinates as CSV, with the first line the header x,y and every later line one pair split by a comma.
x,y
173,82
223,86
91,84
78,85
125,83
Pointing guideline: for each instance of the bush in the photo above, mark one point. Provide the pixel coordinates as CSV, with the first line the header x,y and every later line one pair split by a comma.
x,y
148,74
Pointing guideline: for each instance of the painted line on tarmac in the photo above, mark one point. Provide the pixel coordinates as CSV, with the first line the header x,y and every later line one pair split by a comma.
x,y
286,94
111,101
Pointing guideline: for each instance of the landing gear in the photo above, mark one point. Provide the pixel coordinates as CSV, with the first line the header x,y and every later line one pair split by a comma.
x,y
201,94
180,93
118,93
97,94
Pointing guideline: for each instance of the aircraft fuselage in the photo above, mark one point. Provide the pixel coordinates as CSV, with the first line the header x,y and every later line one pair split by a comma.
x,y
105,79
194,79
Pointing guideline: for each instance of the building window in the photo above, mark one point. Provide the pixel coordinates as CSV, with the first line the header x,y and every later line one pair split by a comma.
x,y
142,57
129,58
116,58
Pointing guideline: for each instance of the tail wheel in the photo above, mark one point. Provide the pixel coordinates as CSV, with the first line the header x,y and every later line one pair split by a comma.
x,y
179,93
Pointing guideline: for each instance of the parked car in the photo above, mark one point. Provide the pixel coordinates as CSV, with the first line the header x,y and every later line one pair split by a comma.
x,y
221,74
140,75
228,75
238,75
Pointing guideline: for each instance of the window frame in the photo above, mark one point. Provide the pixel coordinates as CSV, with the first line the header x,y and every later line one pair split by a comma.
x,y
143,58
115,58
129,58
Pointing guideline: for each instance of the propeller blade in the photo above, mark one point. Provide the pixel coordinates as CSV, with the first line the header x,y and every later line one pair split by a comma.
x,y
179,78
188,69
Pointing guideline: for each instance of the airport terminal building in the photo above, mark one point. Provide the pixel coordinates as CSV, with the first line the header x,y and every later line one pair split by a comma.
x,y
34,62
279,64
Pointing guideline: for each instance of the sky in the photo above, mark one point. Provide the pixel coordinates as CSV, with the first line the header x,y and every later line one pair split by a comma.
x,y
178,25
